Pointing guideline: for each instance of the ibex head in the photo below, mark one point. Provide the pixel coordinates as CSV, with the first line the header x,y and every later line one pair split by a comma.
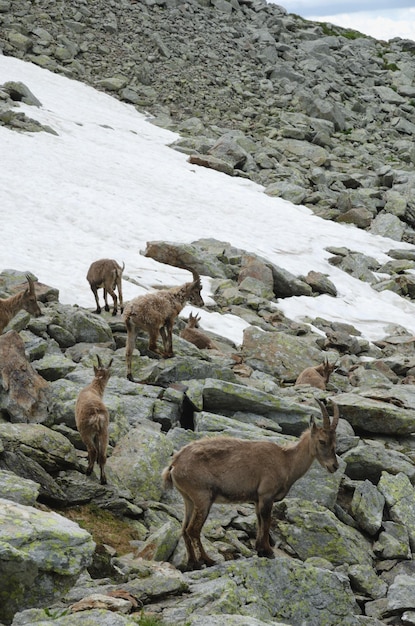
x,y
30,303
195,288
325,369
193,321
102,372
323,438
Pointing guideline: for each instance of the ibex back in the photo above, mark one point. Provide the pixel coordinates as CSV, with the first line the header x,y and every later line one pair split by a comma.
x,y
106,274
195,336
317,376
91,416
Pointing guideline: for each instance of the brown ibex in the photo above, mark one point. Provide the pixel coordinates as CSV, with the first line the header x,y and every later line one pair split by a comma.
x,y
222,469
91,416
23,300
155,313
106,274
317,376
194,335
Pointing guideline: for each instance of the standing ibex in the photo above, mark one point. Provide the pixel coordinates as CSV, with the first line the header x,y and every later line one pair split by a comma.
x,y
91,416
230,470
23,300
106,274
317,376
155,313
198,338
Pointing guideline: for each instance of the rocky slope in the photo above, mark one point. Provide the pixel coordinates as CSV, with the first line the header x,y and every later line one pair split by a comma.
x,y
319,115
344,541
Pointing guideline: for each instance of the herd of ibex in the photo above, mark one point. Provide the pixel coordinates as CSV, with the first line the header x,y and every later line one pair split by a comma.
x,y
218,469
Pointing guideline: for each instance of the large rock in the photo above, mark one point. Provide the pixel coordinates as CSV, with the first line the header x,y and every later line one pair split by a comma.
x,y
41,556
280,354
379,415
368,461
227,398
45,446
313,531
281,589
399,495
138,460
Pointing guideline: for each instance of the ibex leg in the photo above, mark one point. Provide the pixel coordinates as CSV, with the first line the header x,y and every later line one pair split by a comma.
x,y
114,298
95,292
129,347
262,543
200,512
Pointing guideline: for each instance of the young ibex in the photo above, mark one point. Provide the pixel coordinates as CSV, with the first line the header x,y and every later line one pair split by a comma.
x,y
155,313
230,470
194,335
91,416
23,300
317,376
106,274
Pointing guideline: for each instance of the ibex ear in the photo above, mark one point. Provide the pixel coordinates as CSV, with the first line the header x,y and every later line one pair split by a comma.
x,y
312,423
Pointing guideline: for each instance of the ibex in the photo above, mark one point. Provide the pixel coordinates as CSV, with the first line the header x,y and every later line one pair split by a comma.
x,y
23,300
91,416
317,376
106,274
155,313
194,335
221,469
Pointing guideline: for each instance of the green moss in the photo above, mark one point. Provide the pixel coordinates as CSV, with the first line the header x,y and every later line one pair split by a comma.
x,y
331,31
104,526
392,67
146,619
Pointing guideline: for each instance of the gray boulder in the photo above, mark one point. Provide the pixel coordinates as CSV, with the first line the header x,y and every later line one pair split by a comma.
x,y
41,556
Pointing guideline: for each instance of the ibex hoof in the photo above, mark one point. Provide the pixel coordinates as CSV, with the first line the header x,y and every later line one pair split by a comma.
x,y
98,311
194,565
130,377
266,553
107,308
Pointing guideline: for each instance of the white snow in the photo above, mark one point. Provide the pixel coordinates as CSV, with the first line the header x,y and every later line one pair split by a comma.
x,y
109,182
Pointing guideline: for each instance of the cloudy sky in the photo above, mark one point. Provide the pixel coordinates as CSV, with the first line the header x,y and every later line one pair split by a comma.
x,y
382,19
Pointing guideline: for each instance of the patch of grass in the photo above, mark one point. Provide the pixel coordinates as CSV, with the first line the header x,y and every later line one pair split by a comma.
x,y
392,67
329,31
146,619
104,526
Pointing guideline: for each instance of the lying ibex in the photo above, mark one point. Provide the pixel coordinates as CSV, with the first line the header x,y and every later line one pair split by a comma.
x,y
106,274
194,335
317,376
155,313
230,470
23,300
91,416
